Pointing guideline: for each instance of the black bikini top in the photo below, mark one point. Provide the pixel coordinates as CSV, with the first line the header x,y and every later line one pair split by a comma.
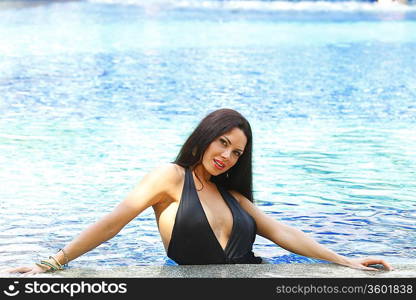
x,y
193,241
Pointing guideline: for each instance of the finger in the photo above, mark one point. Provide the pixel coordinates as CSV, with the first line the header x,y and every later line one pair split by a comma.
x,y
365,268
18,270
372,261
25,269
31,272
386,265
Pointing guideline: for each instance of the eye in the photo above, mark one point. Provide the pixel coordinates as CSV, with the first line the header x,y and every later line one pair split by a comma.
x,y
222,141
237,153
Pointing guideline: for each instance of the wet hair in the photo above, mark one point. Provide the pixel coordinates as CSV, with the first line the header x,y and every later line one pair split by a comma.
x,y
215,124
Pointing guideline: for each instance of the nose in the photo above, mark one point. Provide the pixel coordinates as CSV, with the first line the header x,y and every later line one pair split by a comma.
x,y
226,154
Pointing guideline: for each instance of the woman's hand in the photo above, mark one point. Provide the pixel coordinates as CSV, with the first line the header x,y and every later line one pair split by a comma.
x,y
26,271
364,263
298,242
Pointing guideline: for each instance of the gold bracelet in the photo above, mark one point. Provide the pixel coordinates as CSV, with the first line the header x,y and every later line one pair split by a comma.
x,y
57,262
65,256
50,264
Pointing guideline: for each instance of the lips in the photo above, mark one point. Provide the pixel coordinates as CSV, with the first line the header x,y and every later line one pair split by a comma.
x,y
219,164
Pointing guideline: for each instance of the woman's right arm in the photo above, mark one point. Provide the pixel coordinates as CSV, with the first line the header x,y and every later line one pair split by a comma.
x,y
154,187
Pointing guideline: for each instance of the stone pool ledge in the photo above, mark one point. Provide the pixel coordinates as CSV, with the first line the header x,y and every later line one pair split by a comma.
x,y
297,270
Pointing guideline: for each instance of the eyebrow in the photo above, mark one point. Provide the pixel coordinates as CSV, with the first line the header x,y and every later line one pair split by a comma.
x,y
230,142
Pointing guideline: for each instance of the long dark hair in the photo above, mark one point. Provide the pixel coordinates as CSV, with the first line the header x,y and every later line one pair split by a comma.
x,y
240,177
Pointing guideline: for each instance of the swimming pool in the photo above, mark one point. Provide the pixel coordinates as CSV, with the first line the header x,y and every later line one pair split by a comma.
x,y
94,94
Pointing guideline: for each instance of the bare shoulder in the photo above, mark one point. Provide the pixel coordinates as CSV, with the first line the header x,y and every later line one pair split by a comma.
x,y
167,174
157,185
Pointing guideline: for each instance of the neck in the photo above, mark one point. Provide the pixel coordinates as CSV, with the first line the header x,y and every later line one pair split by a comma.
x,y
202,174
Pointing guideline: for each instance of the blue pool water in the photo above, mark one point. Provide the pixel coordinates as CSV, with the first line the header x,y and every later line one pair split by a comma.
x,y
94,94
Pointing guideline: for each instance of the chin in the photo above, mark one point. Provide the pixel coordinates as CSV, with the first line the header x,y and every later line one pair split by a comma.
x,y
213,171
216,172
219,172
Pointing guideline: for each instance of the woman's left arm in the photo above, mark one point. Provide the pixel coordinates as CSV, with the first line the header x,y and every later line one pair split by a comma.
x,y
298,242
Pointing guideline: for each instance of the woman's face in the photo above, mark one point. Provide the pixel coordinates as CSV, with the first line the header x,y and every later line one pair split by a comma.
x,y
223,152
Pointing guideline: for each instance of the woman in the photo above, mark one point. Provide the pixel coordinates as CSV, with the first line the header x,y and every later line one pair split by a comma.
x,y
203,204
